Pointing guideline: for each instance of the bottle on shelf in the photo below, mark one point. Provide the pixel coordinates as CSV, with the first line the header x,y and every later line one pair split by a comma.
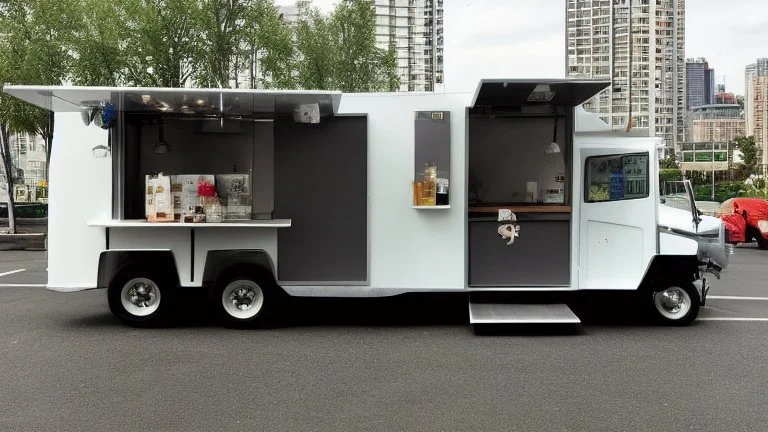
x,y
429,196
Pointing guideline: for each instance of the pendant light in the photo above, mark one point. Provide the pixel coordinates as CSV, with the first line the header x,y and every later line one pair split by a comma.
x,y
553,147
161,147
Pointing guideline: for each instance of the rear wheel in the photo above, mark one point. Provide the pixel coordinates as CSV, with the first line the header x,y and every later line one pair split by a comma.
x,y
676,304
139,298
246,300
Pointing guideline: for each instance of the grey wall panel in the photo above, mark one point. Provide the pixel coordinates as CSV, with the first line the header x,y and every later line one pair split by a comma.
x,y
539,256
506,153
321,185
432,143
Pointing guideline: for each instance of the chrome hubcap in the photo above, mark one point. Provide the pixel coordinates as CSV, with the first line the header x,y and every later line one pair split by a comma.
x,y
242,299
140,296
673,302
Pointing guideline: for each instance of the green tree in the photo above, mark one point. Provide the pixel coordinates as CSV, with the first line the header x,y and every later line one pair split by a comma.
x,y
160,41
221,51
668,162
269,36
339,52
35,48
316,49
98,56
746,145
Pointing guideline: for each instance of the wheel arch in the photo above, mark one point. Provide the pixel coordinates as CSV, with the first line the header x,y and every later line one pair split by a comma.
x,y
223,263
669,269
113,262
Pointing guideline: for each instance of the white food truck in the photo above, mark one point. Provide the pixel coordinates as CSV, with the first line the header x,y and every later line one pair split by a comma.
x,y
512,192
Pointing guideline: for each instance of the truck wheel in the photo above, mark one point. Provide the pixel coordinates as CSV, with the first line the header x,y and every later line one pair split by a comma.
x,y
138,298
245,300
676,305
761,242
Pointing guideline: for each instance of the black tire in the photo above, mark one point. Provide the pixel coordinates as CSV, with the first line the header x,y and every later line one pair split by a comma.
x,y
662,309
761,242
258,296
149,286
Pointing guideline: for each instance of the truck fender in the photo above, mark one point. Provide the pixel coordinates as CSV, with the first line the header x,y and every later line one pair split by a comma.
x,y
665,270
218,263
112,262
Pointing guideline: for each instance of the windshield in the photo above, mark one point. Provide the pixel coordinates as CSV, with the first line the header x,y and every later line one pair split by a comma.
x,y
678,194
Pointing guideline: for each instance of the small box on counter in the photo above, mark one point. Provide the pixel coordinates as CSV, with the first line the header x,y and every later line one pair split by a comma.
x,y
158,198
234,191
185,197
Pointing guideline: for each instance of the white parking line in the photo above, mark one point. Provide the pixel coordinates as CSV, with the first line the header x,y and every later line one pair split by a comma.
x,y
12,272
731,319
737,298
21,285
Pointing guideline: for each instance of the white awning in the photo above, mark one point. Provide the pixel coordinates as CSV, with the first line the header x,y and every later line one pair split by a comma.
x,y
510,93
207,101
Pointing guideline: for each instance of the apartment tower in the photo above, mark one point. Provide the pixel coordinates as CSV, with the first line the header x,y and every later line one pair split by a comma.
x,y
415,28
758,95
756,69
647,70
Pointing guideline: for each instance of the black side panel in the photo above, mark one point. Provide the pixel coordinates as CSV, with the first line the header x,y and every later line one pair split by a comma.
x,y
112,262
321,184
540,256
665,269
218,262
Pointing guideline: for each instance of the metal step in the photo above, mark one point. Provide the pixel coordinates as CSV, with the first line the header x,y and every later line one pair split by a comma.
x,y
516,313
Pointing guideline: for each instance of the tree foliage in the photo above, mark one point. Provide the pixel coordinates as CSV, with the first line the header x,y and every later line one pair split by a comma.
x,y
746,145
669,162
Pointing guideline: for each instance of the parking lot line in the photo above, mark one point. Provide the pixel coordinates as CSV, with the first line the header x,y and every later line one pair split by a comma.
x,y
731,319
736,298
11,272
21,285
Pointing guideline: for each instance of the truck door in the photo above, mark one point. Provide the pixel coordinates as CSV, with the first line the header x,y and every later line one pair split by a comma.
x,y
617,213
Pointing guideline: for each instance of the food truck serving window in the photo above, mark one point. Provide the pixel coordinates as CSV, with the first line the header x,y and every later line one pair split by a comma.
x,y
616,177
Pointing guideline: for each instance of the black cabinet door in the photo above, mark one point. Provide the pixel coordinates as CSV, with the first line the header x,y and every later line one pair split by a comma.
x,y
540,256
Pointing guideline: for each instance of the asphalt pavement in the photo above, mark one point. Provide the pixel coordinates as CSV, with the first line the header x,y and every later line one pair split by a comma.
x,y
391,365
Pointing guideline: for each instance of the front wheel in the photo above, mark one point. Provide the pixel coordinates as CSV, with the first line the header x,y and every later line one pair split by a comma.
x,y
676,305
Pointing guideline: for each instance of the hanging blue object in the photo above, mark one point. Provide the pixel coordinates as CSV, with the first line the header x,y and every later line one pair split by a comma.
x,y
108,115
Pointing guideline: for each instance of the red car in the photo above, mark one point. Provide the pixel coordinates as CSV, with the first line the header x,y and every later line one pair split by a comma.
x,y
746,219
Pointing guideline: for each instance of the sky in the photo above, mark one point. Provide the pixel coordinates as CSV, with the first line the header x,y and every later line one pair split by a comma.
x,y
526,38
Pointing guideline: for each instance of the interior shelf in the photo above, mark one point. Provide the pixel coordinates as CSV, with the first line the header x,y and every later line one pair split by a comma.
x,y
524,209
434,207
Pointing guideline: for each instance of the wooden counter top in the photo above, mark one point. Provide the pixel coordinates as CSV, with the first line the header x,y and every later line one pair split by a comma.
x,y
524,209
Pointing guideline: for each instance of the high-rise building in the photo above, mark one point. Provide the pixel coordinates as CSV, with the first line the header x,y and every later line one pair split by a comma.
x,y
599,46
758,95
756,69
700,83
415,29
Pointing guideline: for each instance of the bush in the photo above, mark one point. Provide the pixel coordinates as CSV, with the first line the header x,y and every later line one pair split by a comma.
x,y
670,174
35,210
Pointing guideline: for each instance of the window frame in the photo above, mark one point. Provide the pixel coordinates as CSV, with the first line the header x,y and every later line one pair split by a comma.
x,y
586,177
